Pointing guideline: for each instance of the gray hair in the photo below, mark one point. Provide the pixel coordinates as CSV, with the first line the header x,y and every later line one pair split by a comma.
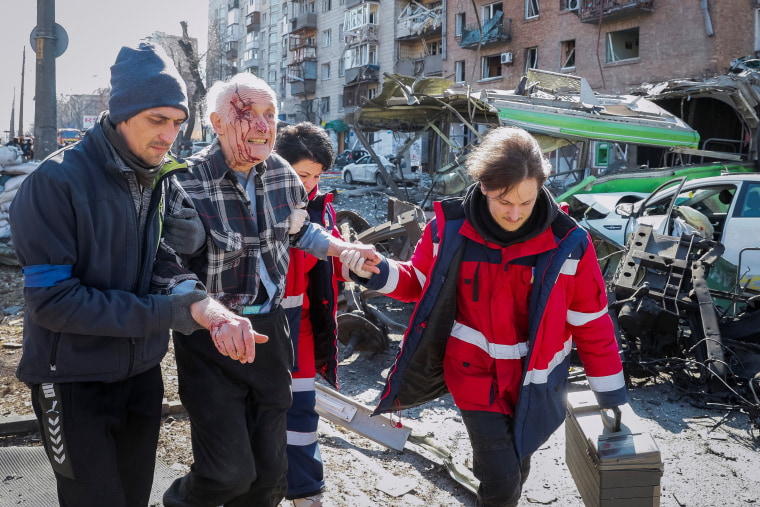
x,y
221,93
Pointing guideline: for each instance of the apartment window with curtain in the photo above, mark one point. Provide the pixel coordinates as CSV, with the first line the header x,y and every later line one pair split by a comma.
x,y
325,71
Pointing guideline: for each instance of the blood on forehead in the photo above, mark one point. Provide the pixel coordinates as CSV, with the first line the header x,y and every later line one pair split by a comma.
x,y
245,100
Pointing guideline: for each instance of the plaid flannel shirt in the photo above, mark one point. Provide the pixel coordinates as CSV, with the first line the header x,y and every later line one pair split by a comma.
x,y
228,266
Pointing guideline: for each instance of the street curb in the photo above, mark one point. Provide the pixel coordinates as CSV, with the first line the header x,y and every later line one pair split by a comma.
x,y
20,424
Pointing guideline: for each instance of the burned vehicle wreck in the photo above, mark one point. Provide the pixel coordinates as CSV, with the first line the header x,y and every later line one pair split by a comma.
x,y
670,324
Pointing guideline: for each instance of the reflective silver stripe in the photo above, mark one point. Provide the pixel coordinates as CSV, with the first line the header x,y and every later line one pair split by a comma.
x,y
301,385
392,282
435,249
608,383
292,301
301,439
495,350
569,267
581,318
420,277
541,376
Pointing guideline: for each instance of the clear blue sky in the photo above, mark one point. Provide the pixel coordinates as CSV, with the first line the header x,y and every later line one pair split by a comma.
x,y
97,29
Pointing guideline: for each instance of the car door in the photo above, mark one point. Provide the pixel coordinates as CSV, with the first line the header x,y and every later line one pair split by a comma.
x,y
739,237
362,169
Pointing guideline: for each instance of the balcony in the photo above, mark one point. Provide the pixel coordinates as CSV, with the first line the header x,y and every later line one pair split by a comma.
x,y
363,74
304,21
422,65
302,78
303,88
253,22
233,4
612,10
416,21
297,42
495,31
355,95
231,50
352,3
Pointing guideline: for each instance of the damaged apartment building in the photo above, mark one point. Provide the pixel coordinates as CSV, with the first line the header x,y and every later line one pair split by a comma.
x,y
324,58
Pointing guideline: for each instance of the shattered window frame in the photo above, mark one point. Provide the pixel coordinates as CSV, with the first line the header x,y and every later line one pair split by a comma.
x,y
567,54
489,64
460,19
459,71
531,58
532,9
622,45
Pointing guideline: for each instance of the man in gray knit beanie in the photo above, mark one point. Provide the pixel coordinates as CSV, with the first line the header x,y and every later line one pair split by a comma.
x,y
86,227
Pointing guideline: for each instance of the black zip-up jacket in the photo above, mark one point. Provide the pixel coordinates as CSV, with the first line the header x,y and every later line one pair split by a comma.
x,y
89,316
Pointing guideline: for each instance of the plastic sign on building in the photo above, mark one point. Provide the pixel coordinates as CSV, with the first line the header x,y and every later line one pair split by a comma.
x,y
89,120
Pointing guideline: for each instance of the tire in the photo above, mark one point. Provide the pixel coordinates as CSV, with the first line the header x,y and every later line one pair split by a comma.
x,y
379,180
348,178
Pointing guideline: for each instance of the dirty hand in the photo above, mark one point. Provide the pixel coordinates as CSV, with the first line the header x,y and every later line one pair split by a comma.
x,y
297,218
184,232
356,261
233,335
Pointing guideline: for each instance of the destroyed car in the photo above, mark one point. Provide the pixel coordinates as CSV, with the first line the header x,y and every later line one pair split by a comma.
x,y
365,170
723,208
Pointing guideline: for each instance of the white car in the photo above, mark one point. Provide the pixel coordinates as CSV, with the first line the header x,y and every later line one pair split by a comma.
x,y
365,170
722,208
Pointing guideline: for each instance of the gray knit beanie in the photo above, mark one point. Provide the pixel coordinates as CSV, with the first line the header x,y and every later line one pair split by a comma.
x,y
144,78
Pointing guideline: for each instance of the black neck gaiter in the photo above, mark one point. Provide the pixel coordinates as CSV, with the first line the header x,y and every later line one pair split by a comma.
x,y
476,211
145,174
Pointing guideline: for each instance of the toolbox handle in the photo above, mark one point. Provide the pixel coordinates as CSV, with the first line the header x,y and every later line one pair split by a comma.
x,y
613,423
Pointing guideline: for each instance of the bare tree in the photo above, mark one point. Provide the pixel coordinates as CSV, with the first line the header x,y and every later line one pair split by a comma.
x,y
199,90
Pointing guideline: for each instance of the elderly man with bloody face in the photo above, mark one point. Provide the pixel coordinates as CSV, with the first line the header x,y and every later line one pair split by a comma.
x,y
249,202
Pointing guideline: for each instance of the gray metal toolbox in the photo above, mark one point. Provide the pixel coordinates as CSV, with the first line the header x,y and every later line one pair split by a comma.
x,y
613,462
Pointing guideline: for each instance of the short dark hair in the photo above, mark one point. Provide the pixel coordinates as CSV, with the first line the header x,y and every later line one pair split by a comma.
x,y
505,157
305,141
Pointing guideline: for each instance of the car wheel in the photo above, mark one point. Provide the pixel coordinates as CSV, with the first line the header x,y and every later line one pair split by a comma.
x,y
379,180
348,178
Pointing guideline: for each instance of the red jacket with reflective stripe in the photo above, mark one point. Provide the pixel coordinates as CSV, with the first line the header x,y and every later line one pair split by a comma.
x,y
495,326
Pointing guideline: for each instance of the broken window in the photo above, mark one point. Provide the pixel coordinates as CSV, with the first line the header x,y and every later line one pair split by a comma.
x,y
531,9
490,67
490,11
567,54
531,58
459,20
363,54
459,71
622,45
359,16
